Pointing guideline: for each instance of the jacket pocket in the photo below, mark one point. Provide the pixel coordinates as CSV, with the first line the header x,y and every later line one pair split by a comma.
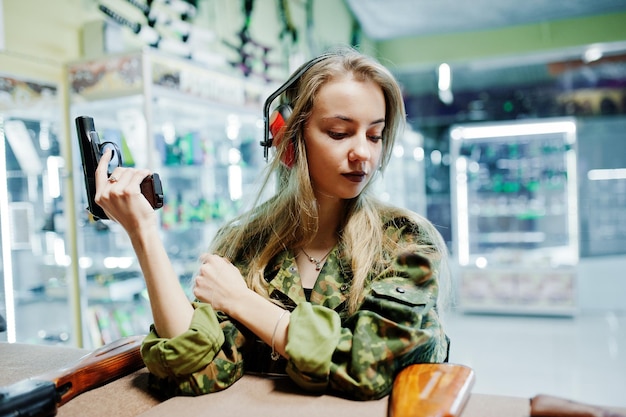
x,y
399,300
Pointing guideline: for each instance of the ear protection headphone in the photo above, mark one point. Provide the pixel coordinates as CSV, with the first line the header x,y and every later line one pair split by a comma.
x,y
276,122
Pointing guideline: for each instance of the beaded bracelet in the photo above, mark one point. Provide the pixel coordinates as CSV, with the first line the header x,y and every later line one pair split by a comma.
x,y
275,355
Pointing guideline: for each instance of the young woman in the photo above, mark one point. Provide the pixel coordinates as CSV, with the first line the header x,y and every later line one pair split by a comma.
x,y
321,282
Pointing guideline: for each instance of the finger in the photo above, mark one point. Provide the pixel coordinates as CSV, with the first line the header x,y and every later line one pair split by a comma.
x,y
140,175
208,257
116,176
197,293
200,290
125,177
103,168
196,283
120,177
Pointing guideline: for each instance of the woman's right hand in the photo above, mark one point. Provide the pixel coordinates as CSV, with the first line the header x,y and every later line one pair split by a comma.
x,y
120,195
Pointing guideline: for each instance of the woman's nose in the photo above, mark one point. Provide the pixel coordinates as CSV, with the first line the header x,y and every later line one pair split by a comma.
x,y
360,148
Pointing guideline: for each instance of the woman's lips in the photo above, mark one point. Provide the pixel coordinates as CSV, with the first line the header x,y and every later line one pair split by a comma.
x,y
356,176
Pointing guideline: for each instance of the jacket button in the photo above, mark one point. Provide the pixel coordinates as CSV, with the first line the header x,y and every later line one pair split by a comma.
x,y
344,287
400,290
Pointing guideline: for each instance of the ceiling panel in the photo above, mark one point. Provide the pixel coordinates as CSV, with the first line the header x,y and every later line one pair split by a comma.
x,y
389,19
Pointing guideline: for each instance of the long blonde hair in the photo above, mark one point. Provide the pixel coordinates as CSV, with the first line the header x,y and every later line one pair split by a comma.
x,y
289,219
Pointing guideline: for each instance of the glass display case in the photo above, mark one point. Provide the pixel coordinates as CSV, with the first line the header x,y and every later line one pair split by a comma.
x,y
200,131
33,214
515,223
602,187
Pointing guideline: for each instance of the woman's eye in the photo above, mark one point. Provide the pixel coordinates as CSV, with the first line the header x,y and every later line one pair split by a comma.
x,y
374,137
336,135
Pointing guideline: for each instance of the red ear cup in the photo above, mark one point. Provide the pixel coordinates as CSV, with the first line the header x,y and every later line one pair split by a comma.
x,y
278,121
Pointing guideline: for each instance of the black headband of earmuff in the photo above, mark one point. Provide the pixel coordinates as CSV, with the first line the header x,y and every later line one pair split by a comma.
x,y
267,140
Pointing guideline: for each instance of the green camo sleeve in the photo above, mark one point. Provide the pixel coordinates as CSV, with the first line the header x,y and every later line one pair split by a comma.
x,y
187,353
314,332
359,356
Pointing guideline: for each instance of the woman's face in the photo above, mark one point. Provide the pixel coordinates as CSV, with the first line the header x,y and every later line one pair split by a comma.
x,y
343,136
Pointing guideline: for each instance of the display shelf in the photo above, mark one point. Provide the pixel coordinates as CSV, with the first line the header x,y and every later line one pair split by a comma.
x,y
33,215
198,129
602,186
109,322
515,217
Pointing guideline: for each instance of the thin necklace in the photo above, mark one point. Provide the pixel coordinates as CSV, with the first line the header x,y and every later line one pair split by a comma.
x,y
317,262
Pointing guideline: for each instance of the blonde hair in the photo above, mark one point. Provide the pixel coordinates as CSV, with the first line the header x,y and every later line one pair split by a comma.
x,y
289,220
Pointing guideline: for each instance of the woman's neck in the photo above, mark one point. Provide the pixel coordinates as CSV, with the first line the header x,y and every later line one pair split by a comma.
x,y
330,211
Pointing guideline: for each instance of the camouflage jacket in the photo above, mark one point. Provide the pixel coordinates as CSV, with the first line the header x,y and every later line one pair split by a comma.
x,y
355,355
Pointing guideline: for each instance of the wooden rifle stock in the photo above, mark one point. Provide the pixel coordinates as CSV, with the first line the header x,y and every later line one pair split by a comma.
x,y
41,395
431,390
103,365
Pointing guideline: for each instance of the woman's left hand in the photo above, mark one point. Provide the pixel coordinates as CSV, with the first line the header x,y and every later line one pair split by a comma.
x,y
219,283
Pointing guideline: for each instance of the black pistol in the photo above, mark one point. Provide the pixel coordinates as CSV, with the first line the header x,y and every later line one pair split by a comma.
x,y
91,149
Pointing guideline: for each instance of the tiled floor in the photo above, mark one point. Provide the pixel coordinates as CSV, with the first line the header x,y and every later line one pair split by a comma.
x,y
581,358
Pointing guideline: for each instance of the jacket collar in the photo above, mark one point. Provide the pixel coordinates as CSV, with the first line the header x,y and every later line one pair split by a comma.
x,y
331,288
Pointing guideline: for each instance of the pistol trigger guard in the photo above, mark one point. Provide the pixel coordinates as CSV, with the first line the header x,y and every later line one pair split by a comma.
x,y
116,151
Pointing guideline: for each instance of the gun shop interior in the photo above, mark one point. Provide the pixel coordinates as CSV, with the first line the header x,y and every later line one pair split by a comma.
x,y
514,149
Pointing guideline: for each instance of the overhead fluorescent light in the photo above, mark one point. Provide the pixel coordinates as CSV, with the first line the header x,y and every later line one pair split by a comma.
x,y
517,129
606,174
